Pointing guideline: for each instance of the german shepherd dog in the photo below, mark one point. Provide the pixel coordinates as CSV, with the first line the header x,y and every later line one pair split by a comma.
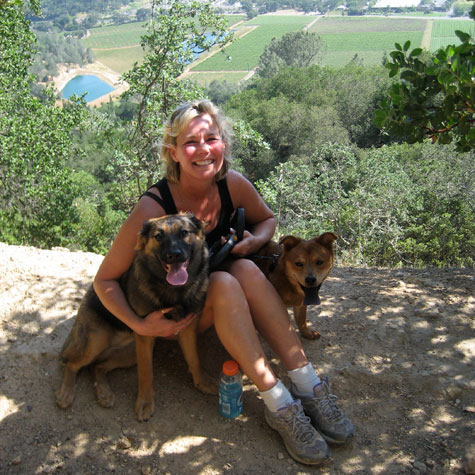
x,y
297,269
170,270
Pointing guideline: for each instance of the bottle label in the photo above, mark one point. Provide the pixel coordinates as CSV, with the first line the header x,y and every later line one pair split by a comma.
x,y
230,401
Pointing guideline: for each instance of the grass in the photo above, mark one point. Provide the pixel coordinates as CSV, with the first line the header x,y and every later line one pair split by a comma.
x,y
443,32
118,47
266,20
118,36
244,53
368,37
370,41
120,60
339,25
203,79
338,59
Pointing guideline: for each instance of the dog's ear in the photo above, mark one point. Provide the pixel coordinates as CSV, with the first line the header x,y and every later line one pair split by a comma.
x,y
327,240
143,235
200,225
289,242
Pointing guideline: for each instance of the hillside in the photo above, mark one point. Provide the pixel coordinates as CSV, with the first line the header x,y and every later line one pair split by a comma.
x,y
398,344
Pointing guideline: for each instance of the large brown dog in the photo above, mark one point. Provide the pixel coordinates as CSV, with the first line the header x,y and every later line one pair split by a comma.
x,y
297,268
169,270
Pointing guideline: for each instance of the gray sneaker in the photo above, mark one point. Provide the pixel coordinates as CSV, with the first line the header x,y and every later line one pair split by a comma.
x,y
301,439
325,414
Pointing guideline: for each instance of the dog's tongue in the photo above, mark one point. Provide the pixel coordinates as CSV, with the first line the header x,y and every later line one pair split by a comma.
x,y
311,296
177,274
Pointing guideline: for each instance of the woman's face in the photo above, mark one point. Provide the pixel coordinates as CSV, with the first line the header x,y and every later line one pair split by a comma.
x,y
199,149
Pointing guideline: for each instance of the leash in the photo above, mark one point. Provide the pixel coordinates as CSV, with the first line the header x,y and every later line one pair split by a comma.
x,y
218,252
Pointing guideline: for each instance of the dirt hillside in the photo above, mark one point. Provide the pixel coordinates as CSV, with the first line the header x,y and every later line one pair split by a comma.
x,y
398,345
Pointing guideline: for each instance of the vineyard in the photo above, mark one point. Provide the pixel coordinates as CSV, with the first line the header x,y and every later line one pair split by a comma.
x,y
367,38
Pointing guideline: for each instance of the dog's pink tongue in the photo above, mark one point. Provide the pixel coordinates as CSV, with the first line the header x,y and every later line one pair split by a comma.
x,y
177,274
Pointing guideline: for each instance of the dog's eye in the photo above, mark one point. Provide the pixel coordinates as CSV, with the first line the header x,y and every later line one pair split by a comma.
x,y
184,233
299,264
159,236
319,263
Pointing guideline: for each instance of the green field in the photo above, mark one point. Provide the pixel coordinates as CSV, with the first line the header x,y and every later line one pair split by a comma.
x,y
367,37
120,59
203,79
118,47
115,36
244,53
342,25
443,32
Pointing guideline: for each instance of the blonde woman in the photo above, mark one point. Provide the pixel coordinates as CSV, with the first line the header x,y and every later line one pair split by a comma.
x,y
240,300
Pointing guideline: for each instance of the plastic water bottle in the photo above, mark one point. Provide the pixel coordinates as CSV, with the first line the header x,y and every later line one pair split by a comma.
x,y
230,390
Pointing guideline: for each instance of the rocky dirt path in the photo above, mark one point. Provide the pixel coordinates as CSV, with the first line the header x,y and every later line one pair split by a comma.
x,y
398,345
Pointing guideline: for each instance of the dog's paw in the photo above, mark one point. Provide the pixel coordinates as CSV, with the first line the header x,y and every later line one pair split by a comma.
x,y
310,334
144,409
105,397
207,385
64,396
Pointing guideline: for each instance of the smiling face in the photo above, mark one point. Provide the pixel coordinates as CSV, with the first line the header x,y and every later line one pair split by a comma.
x,y
199,148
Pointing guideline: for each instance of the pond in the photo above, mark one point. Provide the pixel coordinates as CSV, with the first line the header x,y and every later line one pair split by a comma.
x,y
91,84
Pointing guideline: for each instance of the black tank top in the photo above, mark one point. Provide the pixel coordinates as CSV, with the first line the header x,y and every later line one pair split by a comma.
x,y
168,204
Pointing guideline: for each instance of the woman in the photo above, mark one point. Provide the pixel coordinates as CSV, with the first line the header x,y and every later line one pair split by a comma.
x,y
240,300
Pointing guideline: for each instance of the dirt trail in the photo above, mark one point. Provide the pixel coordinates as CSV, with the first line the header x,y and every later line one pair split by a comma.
x,y
399,346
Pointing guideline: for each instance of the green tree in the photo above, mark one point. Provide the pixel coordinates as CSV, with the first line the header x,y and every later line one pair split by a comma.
x,y
299,49
177,31
36,196
396,205
432,99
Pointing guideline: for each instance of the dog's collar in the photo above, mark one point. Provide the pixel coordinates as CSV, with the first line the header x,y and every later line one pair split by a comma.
x,y
275,260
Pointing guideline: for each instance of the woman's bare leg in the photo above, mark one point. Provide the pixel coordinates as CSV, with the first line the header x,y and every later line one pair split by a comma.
x,y
269,314
226,307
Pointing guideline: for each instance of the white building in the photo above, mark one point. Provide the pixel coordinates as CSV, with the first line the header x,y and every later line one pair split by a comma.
x,y
396,4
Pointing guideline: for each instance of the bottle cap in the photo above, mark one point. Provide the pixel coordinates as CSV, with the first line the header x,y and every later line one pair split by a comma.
x,y
230,368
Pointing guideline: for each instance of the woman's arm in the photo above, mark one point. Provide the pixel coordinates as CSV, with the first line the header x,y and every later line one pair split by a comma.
x,y
257,213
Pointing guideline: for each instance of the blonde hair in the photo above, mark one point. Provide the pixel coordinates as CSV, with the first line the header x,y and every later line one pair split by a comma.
x,y
177,123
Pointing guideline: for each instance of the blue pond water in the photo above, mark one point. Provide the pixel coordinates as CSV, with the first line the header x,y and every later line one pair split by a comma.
x,y
91,84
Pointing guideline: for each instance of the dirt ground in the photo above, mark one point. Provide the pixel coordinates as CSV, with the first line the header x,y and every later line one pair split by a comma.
x,y
398,345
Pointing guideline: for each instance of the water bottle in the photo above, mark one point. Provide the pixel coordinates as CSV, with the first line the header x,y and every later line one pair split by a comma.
x,y
230,390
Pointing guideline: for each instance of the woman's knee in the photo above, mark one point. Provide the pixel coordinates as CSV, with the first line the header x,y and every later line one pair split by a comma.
x,y
246,271
224,289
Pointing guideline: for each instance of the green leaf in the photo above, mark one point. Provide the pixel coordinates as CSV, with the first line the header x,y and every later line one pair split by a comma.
x,y
379,117
416,52
464,37
408,75
393,69
407,44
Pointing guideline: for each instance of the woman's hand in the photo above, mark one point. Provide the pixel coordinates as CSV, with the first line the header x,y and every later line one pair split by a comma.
x,y
247,245
158,325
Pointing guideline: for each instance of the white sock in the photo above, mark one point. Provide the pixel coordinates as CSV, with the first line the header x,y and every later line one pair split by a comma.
x,y
277,397
305,379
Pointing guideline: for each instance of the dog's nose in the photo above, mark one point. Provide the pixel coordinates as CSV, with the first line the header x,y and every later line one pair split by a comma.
x,y
310,279
174,255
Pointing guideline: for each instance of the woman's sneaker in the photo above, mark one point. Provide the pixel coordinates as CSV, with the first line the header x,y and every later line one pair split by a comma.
x,y
325,414
301,439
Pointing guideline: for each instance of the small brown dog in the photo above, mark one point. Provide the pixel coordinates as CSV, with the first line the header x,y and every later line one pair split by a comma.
x,y
297,268
169,270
